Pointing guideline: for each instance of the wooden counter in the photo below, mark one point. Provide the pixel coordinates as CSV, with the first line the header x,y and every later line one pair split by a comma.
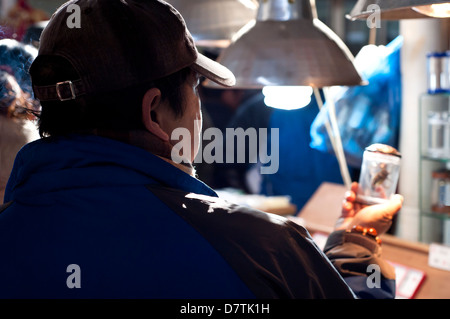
x,y
322,210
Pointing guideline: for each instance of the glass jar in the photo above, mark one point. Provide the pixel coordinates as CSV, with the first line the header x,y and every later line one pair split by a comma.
x,y
440,193
380,170
446,72
436,73
438,134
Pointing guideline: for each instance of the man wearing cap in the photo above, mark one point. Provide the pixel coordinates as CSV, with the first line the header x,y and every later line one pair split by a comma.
x,y
99,208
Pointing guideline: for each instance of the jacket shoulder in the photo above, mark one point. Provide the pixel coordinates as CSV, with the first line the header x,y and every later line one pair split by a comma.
x,y
275,257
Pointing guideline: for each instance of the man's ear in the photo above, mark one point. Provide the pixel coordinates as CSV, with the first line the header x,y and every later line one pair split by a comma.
x,y
151,103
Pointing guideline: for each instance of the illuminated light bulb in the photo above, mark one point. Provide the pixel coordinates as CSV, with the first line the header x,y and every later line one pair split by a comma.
x,y
287,97
441,10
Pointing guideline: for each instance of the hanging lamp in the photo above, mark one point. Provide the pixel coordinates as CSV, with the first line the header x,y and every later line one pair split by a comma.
x,y
212,23
288,45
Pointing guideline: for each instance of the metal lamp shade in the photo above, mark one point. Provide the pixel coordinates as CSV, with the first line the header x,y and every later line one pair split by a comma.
x,y
212,23
436,10
390,9
294,52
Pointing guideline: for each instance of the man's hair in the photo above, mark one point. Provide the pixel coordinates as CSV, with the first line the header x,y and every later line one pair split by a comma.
x,y
116,110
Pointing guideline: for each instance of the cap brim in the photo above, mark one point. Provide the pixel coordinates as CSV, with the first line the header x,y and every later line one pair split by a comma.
x,y
214,71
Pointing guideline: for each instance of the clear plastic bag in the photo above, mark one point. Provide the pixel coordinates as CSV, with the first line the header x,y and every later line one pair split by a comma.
x,y
366,114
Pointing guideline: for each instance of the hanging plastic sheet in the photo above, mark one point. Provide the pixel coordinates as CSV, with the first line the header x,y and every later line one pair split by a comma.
x,y
365,114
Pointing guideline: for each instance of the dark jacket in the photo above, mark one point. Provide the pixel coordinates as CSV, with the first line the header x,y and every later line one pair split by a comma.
x,y
91,217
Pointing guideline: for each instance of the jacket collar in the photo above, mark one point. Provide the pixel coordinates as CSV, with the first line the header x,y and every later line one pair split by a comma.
x,y
55,163
145,140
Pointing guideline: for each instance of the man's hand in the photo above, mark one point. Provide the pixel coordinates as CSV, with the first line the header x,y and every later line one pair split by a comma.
x,y
378,216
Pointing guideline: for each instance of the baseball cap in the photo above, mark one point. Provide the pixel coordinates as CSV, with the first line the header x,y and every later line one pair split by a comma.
x,y
115,44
